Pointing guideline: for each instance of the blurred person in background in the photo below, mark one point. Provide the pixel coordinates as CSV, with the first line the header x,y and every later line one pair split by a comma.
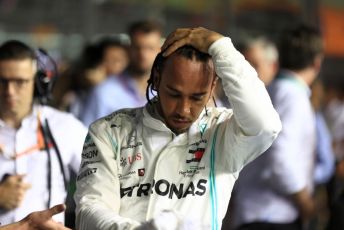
x,y
172,164
39,145
275,190
324,158
334,113
146,40
88,72
128,89
262,54
107,58
104,58
115,55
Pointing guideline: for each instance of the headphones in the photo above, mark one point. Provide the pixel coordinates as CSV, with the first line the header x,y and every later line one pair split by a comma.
x,y
45,76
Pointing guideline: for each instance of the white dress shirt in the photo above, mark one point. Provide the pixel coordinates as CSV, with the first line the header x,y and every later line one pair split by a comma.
x,y
20,155
262,192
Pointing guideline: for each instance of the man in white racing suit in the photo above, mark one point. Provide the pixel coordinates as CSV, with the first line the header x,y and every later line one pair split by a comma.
x,y
172,164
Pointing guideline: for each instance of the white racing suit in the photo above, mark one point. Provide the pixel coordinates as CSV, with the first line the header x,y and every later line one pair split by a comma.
x,y
136,172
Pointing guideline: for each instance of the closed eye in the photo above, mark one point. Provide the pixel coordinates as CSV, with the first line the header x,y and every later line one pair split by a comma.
x,y
197,98
174,95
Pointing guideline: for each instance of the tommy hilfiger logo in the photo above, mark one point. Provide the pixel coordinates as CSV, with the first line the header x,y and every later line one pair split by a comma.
x,y
196,151
141,172
197,155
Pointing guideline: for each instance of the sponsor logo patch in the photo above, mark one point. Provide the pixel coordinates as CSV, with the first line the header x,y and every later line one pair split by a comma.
x,y
86,173
196,151
126,176
197,155
90,154
165,188
193,170
88,145
141,172
131,146
123,162
128,160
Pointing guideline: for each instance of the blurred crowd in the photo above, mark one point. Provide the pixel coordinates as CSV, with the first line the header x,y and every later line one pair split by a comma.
x,y
111,73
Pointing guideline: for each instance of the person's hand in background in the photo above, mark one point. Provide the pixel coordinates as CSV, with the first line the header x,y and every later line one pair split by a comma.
x,y
41,220
12,191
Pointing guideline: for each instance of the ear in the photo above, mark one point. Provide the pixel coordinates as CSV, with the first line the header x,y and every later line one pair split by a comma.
x,y
34,66
317,62
213,84
156,79
212,90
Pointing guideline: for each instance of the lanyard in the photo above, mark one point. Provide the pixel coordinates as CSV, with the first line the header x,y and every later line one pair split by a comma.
x,y
40,145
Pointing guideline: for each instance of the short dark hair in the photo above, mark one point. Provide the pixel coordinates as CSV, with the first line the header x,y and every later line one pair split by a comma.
x,y
91,57
16,50
299,46
93,54
187,51
108,42
144,26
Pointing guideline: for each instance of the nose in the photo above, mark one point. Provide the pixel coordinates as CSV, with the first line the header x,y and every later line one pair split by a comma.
x,y
183,107
9,89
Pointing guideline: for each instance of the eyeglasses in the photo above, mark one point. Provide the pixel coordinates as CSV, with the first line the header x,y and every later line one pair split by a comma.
x,y
18,83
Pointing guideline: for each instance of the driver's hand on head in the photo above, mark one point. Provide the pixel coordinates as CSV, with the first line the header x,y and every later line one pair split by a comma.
x,y
12,191
200,38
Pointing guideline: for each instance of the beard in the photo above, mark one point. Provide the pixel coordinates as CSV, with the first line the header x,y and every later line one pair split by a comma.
x,y
138,71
